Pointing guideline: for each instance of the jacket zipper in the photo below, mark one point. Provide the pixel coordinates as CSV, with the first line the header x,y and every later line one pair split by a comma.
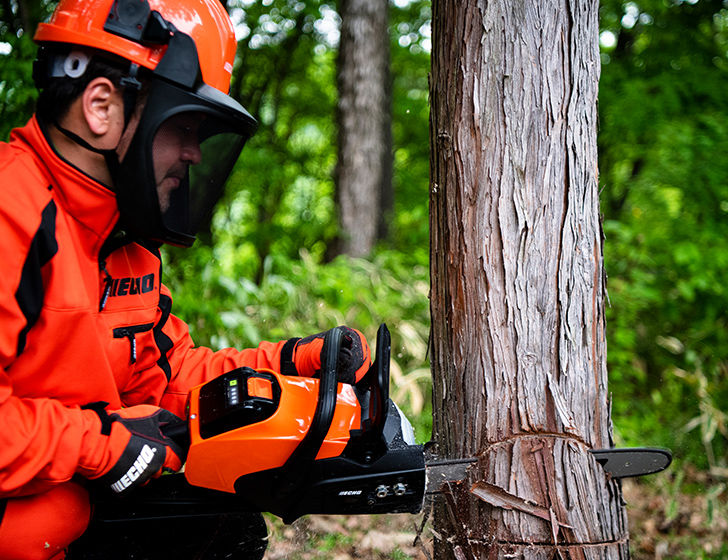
x,y
107,288
130,333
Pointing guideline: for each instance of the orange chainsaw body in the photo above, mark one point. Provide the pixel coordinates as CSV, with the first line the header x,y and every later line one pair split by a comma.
x,y
225,444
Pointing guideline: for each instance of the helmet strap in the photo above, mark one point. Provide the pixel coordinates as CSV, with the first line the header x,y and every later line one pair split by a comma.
x,y
111,157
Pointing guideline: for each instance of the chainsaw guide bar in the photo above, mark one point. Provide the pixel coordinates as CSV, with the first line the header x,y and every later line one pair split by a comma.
x,y
617,463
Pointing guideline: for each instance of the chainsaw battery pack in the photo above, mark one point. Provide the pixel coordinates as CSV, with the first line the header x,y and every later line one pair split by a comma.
x,y
239,398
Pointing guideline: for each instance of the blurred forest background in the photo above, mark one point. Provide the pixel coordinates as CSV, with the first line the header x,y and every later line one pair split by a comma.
x,y
267,267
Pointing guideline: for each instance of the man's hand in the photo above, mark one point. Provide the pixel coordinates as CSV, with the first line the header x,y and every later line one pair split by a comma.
x,y
354,357
136,450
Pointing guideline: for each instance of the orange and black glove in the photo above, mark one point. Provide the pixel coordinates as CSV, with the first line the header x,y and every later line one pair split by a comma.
x,y
134,449
302,356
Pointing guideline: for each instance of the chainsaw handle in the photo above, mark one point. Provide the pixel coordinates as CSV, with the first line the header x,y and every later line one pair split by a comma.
x,y
296,467
328,386
178,432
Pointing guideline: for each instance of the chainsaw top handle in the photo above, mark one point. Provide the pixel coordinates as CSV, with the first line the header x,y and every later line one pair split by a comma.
x,y
296,467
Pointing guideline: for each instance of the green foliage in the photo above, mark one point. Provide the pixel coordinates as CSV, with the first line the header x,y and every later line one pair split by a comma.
x,y
15,72
280,197
410,30
664,130
17,51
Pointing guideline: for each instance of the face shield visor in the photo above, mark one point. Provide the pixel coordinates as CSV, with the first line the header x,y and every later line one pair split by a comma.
x,y
184,146
180,156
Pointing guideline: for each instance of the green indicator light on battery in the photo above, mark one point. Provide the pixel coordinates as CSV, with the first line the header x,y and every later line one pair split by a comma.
x,y
233,382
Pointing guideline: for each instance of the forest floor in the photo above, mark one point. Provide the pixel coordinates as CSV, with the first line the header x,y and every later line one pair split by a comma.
x,y
671,516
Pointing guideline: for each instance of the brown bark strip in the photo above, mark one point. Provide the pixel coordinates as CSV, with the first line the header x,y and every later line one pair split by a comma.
x,y
498,497
574,551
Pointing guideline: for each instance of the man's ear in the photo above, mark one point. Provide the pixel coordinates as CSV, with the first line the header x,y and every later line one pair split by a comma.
x,y
102,106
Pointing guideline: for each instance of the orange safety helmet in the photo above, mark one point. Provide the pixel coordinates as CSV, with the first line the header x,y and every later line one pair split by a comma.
x,y
96,24
190,132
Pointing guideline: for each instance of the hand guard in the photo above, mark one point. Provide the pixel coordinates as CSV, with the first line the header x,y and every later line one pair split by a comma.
x,y
136,450
354,358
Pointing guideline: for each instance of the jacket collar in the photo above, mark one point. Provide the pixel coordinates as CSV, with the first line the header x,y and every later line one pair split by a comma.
x,y
89,202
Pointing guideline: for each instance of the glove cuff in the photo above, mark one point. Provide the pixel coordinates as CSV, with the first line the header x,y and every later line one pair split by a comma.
x,y
100,409
288,366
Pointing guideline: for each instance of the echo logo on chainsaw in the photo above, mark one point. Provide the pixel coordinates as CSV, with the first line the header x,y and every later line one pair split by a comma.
x,y
137,469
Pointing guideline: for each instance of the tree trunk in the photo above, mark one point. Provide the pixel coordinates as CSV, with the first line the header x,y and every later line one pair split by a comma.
x,y
365,145
518,286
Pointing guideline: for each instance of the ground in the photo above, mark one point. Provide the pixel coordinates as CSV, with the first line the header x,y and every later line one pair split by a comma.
x,y
674,515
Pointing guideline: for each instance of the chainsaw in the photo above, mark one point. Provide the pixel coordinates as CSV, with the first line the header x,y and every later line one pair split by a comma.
x,y
260,441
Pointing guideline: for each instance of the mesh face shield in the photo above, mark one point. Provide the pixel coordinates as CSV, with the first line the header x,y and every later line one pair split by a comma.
x,y
192,153
182,152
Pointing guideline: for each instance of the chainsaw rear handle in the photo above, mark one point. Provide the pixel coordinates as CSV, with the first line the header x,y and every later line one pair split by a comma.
x,y
179,432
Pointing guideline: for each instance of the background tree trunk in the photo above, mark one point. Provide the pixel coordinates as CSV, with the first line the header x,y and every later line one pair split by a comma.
x,y
518,287
364,169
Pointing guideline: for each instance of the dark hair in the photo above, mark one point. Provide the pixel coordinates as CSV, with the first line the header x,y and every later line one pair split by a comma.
x,y
58,94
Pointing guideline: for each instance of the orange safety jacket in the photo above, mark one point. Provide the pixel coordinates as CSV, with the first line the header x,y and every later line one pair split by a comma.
x,y
84,317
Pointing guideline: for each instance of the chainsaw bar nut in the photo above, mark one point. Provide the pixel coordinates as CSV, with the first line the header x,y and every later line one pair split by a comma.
x,y
381,491
400,489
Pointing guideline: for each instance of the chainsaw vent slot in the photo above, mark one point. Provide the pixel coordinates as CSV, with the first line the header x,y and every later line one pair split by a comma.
x,y
238,398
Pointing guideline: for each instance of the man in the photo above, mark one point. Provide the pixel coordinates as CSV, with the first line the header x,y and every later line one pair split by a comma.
x,y
132,142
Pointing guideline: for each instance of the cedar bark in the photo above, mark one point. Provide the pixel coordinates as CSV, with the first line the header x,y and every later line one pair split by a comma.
x,y
518,285
364,169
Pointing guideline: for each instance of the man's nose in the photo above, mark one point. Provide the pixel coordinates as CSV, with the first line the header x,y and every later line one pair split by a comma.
x,y
191,151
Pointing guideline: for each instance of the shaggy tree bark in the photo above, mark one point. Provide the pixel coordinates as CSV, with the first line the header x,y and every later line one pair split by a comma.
x,y
364,170
518,286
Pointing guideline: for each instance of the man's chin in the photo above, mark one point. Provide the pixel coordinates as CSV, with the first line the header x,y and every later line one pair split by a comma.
x,y
165,190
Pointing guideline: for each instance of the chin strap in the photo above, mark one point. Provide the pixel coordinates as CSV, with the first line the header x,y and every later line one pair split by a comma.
x,y
111,157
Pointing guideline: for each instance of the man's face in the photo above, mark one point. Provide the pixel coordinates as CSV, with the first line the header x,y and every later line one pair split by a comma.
x,y
175,148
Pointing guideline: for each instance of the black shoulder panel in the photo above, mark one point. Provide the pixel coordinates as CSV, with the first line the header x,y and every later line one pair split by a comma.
x,y
30,292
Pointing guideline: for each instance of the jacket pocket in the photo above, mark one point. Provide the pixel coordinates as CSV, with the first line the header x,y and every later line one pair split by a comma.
x,y
130,332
